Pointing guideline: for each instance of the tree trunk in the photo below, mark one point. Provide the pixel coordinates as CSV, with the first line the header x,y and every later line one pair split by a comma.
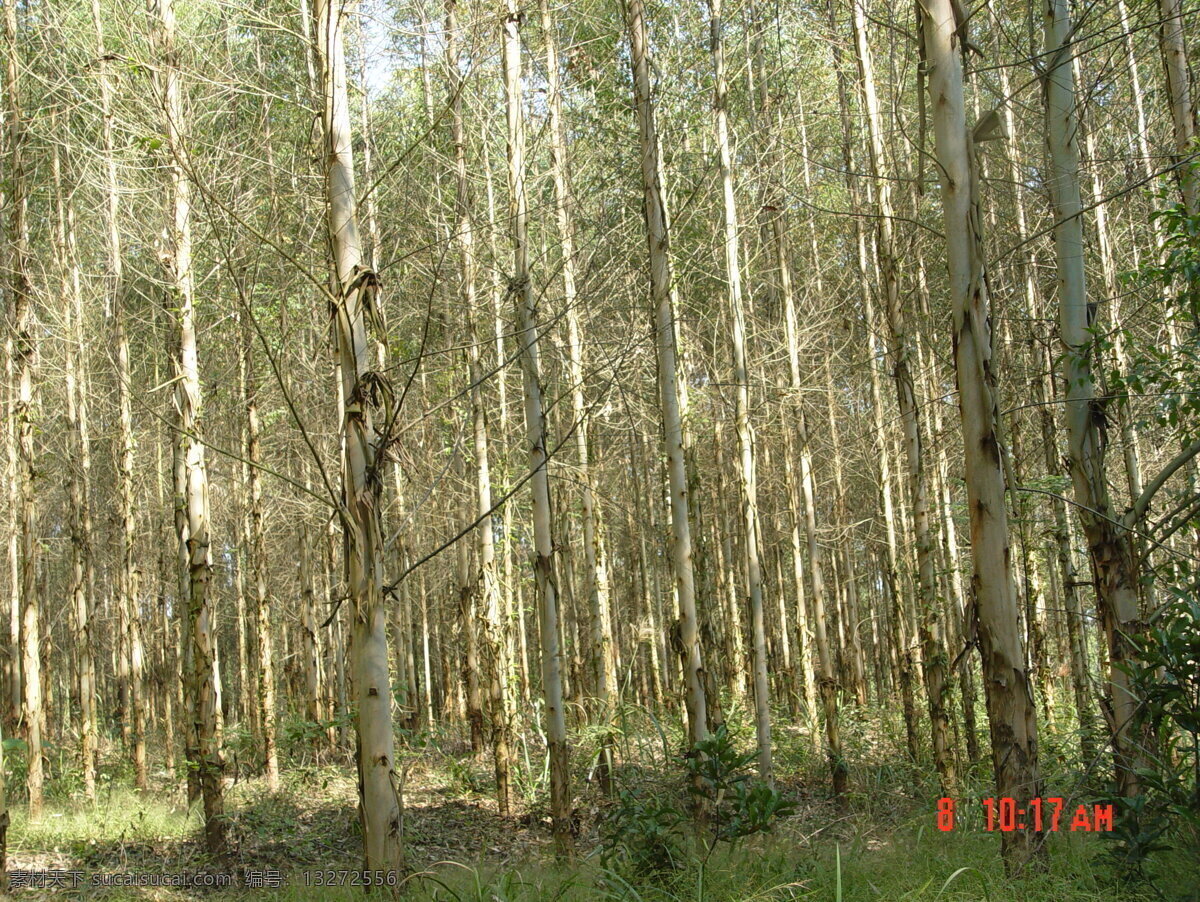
x,y
933,647
948,533
1114,557
741,376
1011,711
1179,92
258,569
495,644
899,619
604,658
24,356
521,290
354,297
114,308
177,261
309,643
184,647
468,610
662,293
4,818
80,455
14,698
138,699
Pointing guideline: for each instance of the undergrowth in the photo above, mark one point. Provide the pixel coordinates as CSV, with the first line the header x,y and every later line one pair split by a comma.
x,y
789,843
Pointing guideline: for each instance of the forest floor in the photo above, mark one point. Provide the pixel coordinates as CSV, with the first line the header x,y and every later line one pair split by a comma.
x,y
884,847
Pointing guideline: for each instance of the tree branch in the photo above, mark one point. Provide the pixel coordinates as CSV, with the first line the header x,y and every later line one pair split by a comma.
x,y
1138,511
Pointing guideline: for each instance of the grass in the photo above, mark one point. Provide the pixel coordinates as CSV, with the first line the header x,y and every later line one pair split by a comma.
x,y
897,867
804,858
886,849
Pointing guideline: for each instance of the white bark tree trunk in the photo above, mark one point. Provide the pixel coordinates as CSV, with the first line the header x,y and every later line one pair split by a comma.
x,y
499,712
741,377
355,296
258,571
528,326
1111,547
662,293
903,359
24,359
82,568
604,663
1179,92
177,262
1011,712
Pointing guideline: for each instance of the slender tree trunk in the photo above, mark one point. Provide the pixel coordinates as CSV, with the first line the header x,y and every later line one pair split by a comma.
x,y
662,292
741,376
258,569
167,666
245,701
604,662
899,619
309,642
1130,452
805,677
1011,712
355,298
1179,93
184,647
126,577
514,614
24,355
82,582
177,261
725,584
1076,637
124,450
803,502
649,572
522,292
1114,557
495,644
15,692
901,351
468,609
4,818
113,305
948,532
426,661
138,699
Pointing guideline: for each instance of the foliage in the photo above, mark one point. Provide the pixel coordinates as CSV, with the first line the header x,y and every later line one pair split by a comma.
x,y
298,735
1167,679
1167,372
736,804
1164,671
647,834
643,834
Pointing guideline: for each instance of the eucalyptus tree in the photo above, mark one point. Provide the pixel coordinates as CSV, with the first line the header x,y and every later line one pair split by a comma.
x,y
354,294
23,355
902,353
1012,715
1179,95
745,459
499,708
83,576
1111,537
599,593
662,296
528,330
195,537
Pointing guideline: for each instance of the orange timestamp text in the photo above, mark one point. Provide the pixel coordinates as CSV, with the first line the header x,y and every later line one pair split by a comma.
x,y
1050,814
